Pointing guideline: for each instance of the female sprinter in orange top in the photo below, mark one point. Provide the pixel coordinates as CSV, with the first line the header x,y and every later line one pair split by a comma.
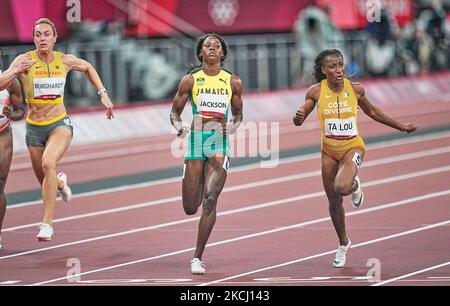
x,y
48,128
337,100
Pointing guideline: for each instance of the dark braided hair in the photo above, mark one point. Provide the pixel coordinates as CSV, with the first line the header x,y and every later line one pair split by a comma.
x,y
318,74
222,42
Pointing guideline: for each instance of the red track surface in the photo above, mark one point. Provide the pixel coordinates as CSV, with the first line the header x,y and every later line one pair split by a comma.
x,y
267,233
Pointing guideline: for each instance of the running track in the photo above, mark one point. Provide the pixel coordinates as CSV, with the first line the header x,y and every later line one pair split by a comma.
x,y
272,228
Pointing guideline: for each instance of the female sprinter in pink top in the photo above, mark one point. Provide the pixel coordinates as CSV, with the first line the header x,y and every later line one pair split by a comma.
x,y
11,97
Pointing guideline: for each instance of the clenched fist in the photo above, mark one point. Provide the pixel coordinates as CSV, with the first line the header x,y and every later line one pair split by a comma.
x,y
299,117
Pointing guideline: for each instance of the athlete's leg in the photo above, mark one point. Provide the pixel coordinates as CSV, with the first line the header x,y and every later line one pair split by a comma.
x,y
36,161
215,176
6,149
344,183
193,184
337,213
57,144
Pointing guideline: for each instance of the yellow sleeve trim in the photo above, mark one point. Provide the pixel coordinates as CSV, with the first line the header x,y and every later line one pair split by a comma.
x,y
63,115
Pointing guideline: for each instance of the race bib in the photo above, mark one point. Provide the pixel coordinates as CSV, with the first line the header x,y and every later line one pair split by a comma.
x,y
49,88
67,121
341,127
357,159
226,163
212,105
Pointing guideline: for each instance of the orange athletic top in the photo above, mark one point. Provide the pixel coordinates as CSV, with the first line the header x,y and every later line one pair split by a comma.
x,y
337,114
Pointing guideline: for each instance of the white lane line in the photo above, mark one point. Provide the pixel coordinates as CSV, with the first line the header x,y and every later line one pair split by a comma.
x,y
9,282
225,213
411,274
252,236
371,163
257,165
100,155
110,148
283,179
114,152
416,230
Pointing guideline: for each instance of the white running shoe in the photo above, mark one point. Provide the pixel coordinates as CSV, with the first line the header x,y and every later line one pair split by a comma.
x,y
197,266
1,245
357,195
45,232
66,192
341,255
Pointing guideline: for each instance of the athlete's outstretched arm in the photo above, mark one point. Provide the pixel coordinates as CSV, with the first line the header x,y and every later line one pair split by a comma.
x,y
20,64
376,114
179,101
16,99
71,62
312,95
236,104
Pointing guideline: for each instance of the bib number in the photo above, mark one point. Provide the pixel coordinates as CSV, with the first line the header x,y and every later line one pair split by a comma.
x,y
357,160
226,163
67,121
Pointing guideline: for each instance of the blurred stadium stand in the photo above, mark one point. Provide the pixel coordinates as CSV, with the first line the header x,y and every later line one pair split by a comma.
x,y
141,48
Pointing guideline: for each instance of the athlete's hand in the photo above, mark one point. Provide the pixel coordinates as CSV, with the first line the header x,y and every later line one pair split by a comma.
x,y
299,117
182,130
14,116
22,63
7,112
227,129
109,106
109,113
408,128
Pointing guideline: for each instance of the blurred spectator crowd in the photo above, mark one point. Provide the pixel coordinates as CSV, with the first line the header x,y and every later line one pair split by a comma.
x,y
387,49
140,68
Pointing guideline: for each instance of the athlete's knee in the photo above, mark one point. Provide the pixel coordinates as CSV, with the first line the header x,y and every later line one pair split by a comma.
x,y
188,210
342,188
48,165
190,207
209,203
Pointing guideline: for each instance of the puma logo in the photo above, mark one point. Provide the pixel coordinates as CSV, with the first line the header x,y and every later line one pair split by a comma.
x,y
225,81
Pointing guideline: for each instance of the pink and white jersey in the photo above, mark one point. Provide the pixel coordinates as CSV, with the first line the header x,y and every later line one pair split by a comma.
x,y
4,102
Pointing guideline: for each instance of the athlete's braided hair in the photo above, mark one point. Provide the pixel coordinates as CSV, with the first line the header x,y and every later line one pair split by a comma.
x,y
318,74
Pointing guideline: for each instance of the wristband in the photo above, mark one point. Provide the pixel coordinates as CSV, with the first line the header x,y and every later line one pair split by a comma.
x,y
102,90
178,126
